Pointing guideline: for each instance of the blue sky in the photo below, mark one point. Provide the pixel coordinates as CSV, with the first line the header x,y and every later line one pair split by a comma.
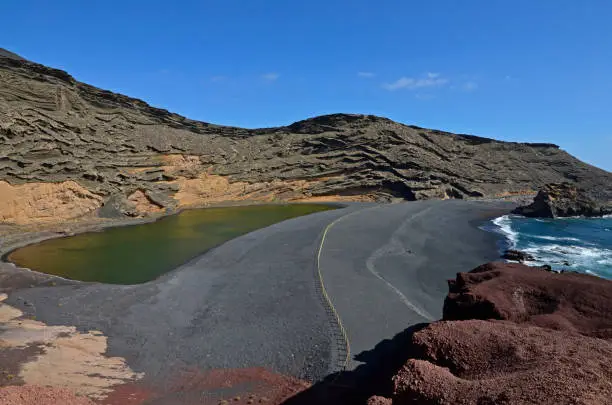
x,y
520,70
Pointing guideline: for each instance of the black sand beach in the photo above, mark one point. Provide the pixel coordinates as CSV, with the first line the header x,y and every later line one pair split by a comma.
x,y
256,301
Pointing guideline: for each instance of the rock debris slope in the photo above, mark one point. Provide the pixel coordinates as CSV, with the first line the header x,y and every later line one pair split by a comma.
x,y
107,154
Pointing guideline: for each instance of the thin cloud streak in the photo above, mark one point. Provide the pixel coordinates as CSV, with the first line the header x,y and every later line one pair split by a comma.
x,y
411,83
366,75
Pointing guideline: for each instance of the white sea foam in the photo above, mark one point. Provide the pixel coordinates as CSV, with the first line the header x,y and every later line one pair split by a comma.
x,y
573,250
605,262
560,251
504,226
573,256
555,238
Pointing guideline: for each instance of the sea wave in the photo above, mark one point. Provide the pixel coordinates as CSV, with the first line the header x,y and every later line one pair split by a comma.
x,y
591,260
554,238
570,250
605,262
504,226
582,245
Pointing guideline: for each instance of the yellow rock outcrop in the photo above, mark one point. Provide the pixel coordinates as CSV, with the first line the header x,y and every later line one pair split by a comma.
x,y
45,202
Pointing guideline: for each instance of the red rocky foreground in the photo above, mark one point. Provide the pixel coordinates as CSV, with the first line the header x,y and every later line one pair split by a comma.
x,y
572,302
513,334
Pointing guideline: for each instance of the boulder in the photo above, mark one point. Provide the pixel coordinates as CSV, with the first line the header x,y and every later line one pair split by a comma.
x,y
499,362
573,302
512,334
563,200
517,256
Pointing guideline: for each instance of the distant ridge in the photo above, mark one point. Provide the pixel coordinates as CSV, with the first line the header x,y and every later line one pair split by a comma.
x,y
109,154
7,54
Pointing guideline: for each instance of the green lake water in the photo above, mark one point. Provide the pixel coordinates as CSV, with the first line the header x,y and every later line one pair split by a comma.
x,y
140,253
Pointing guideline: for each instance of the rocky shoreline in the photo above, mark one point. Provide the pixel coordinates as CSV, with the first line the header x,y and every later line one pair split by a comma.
x,y
565,200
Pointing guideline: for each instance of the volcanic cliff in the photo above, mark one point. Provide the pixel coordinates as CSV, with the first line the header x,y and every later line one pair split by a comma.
x,y
70,149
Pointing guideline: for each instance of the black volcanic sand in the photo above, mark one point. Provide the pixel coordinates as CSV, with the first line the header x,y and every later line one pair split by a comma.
x,y
254,301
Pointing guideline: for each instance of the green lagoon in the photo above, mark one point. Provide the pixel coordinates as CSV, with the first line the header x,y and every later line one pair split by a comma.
x,y
139,253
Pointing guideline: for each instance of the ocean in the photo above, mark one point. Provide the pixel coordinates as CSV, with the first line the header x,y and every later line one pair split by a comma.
x,y
575,244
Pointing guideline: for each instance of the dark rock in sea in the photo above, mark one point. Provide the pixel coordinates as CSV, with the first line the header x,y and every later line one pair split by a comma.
x,y
546,267
564,200
517,256
574,302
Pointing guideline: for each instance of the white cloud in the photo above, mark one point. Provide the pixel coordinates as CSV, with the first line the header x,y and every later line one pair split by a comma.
x,y
366,75
411,83
270,76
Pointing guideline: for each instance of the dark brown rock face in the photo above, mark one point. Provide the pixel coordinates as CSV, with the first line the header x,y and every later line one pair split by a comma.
x,y
497,362
517,256
512,334
55,129
564,200
572,302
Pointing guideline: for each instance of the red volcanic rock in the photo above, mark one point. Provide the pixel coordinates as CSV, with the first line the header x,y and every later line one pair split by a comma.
x,y
499,362
376,400
573,302
513,334
36,395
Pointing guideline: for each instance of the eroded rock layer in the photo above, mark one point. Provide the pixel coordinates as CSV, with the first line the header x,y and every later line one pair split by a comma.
x,y
139,159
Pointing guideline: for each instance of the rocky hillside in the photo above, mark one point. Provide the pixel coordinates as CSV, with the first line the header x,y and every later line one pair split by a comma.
x,y
70,149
